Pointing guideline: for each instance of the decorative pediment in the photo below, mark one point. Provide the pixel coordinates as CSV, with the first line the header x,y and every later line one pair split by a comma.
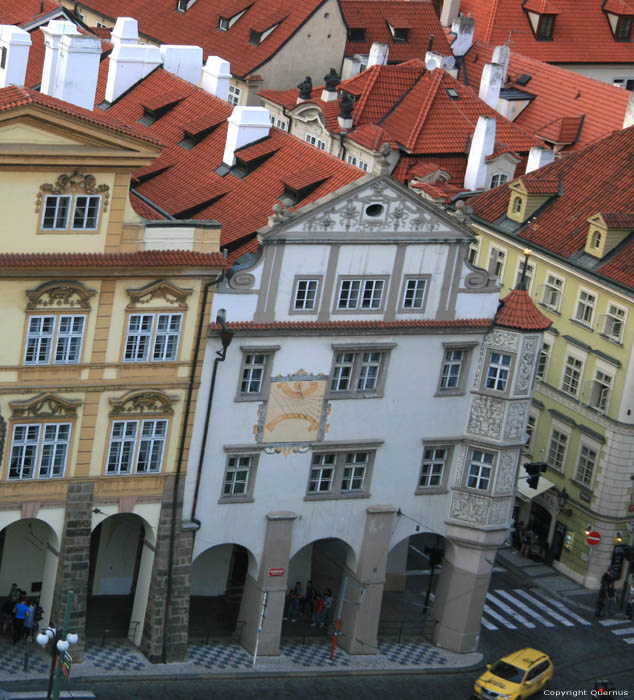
x,y
60,294
161,289
44,405
77,183
143,402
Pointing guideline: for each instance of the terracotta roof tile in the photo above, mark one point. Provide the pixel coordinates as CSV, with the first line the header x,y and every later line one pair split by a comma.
x,y
354,325
517,310
146,258
619,7
537,185
25,11
618,220
563,130
373,16
543,7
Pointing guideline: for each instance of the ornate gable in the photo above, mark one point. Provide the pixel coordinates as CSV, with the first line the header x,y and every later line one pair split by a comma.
x,y
64,293
162,290
44,405
143,401
77,182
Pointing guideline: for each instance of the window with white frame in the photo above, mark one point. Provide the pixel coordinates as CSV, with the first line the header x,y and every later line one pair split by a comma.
x,y
54,339
136,446
474,250
255,372
57,212
557,449
552,292
233,97
433,468
314,141
543,361
528,277
498,179
152,337
498,370
531,424
600,391
353,160
279,123
340,474
39,450
573,370
366,294
454,369
239,477
614,323
358,372
586,304
586,464
480,469
497,259
306,294
414,291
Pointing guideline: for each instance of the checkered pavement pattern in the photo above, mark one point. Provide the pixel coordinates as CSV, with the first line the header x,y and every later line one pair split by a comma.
x,y
114,657
412,654
219,656
314,655
12,659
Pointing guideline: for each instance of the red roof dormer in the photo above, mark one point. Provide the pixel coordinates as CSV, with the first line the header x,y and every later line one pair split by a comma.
x,y
541,16
620,16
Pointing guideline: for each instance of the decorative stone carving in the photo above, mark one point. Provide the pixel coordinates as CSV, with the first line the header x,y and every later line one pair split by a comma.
x,y
280,213
65,294
528,359
469,507
43,405
242,280
502,340
162,289
514,427
305,88
331,80
460,457
287,450
478,279
499,512
507,464
486,416
78,182
143,401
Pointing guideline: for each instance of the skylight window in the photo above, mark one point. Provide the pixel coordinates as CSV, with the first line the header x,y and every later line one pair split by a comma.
x,y
225,23
453,93
258,37
399,34
356,34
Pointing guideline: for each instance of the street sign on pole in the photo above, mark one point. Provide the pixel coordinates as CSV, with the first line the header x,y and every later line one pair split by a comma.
x,y
593,538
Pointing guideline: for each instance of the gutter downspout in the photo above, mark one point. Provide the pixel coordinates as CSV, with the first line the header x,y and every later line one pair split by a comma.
x,y
179,462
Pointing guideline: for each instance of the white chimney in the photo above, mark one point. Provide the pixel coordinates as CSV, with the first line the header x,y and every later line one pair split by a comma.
x,y
184,61
628,119
502,55
482,145
449,12
128,64
78,69
126,31
493,76
15,44
216,77
246,125
378,54
435,60
53,33
463,28
538,157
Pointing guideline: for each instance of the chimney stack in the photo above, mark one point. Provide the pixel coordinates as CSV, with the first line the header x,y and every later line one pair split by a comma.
x,y
435,60
482,145
129,63
493,76
463,28
378,54
216,76
502,55
449,12
15,44
126,31
538,157
246,125
184,61
53,33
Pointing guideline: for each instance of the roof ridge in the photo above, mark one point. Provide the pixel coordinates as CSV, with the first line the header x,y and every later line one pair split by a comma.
x,y
425,107
360,105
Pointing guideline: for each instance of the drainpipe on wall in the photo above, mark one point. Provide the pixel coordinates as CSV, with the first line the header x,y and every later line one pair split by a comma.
x,y
179,462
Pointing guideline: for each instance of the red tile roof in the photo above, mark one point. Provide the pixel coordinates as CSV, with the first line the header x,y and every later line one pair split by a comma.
x,y
187,179
601,106
517,310
25,11
146,258
353,325
13,97
374,15
159,20
561,226
543,7
581,34
618,7
563,130
618,220
540,185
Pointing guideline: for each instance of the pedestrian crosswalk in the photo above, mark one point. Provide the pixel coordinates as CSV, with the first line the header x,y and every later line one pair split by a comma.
x,y
624,629
518,608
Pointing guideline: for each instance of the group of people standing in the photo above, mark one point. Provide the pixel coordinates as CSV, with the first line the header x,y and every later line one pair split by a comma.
x,y
20,615
606,600
308,603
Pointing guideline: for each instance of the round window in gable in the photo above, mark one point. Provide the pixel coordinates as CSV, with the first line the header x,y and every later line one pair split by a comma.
x,y
374,210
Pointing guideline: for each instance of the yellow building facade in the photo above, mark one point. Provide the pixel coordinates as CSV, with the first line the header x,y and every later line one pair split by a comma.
x,y
101,321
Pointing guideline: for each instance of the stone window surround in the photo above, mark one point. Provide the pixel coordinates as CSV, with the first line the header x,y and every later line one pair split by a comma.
x,y
491,265
269,351
358,349
430,443
623,320
304,312
57,312
341,449
485,368
535,414
139,418
248,497
467,348
554,308
596,448
582,357
609,371
42,420
465,477
588,326
413,310
156,312
360,310
564,430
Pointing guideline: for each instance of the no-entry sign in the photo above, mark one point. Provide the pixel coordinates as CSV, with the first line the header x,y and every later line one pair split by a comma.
x,y
276,572
593,538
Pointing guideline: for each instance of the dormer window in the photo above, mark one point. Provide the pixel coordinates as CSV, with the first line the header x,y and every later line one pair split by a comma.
x,y
541,16
157,107
623,28
596,239
182,5
225,23
356,34
258,37
545,26
517,205
399,34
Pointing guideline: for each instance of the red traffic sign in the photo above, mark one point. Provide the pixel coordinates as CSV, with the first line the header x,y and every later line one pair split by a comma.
x,y
277,572
593,538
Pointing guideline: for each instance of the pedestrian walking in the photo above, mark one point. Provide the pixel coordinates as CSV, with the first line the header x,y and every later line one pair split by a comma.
x,y
309,598
29,619
610,599
20,613
295,599
527,539
318,615
328,601
518,534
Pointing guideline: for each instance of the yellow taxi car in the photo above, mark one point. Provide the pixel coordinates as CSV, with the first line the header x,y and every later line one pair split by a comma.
x,y
515,677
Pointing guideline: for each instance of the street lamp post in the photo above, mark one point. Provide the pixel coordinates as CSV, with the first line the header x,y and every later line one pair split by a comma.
x,y
61,641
